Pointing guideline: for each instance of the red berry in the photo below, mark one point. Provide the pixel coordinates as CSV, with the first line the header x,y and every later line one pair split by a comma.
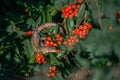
x,y
58,36
28,33
49,38
73,5
51,43
47,43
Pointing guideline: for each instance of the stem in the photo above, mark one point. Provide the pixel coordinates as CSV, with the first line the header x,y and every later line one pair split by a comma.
x,y
98,14
36,38
45,26
65,27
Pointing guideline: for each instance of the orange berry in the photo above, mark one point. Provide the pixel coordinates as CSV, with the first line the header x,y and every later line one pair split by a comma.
x,y
51,43
110,28
49,75
65,42
55,44
47,43
58,50
60,39
80,1
73,31
26,10
64,57
53,74
40,58
58,36
73,5
76,75
59,42
49,38
118,15
28,33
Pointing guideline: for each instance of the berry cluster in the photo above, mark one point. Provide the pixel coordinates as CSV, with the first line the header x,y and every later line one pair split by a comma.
x,y
40,58
71,41
52,71
82,30
71,10
49,41
28,33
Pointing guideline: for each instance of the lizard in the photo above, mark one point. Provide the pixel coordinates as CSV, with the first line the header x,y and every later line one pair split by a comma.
x,y
35,38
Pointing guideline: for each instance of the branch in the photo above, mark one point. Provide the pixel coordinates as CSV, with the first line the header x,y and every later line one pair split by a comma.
x,y
36,38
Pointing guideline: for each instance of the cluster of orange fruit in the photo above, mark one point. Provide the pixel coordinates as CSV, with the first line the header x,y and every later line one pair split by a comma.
x,y
82,30
71,41
71,10
40,59
53,70
49,40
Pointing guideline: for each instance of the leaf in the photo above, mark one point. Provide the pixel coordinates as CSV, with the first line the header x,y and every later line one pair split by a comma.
x,y
32,59
39,19
80,13
58,4
106,23
49,17
31,22
54,60
9,28
29,50
70,24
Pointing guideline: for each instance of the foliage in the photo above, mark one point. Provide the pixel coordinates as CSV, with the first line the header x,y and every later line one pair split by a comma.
x,y
95,55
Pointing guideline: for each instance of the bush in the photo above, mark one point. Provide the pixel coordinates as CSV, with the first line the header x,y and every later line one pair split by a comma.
x,y
59,40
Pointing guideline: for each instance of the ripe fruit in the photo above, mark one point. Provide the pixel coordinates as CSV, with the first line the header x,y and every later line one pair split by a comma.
x,y
71,41
49,38
71,10
82,30
80,1
28,33
110,28
52,71
40,58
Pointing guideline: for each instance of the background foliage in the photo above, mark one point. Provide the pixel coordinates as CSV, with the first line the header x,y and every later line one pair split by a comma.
x,y
98,54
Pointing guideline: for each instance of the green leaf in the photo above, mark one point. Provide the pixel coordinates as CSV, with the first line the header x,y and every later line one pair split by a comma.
x,y
70,24
49,17
29,50
58,4
80,13
54,60
32,59
106,23
31,22
53,13
39,19
60,76
9,28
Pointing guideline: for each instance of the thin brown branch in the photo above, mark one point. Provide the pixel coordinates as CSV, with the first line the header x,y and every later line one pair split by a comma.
x,y
13,67
45,26
36,38
96,1
65,27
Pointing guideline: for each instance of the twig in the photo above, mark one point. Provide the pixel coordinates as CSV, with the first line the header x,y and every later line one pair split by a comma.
x,y
21,77
90,7
36,38
45,26
85,16
65,27
98,14
13,67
